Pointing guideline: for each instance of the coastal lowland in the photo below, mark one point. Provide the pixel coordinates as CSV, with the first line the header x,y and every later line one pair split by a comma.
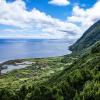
x,y
75,76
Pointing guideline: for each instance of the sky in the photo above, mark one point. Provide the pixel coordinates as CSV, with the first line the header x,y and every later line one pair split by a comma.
x,y
47,19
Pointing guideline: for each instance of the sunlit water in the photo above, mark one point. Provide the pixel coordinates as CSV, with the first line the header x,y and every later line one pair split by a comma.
x,y
31,48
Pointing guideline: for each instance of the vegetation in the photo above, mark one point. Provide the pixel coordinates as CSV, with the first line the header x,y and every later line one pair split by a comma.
x,y
91,36
69,77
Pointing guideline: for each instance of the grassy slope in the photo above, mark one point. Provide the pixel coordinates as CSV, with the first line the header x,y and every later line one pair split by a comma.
x,y
82,76
64,78
78,79
38,72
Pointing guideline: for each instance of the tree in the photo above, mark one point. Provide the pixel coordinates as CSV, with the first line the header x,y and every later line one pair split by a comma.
x,y
21,94
5,94
77,96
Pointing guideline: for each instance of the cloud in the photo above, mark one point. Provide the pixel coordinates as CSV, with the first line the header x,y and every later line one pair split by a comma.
x,y
34,24
85,17
59,2
37,24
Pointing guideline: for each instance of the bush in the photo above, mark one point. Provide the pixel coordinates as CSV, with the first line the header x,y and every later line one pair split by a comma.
x,y
96,48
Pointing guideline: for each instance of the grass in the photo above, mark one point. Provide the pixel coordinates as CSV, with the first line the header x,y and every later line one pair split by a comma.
x,y
36,73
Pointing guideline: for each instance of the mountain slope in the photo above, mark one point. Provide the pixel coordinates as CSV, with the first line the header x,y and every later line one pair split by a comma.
x,y
82,76
78,80
91,36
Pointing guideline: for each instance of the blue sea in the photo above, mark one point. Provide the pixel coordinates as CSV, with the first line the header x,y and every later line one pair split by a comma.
x,y
31,48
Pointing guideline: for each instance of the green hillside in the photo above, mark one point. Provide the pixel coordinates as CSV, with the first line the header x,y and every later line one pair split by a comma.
x,y
91,36
78,81
68,77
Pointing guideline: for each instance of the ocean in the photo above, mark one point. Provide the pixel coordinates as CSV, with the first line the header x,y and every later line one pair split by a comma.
x,y
32,48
